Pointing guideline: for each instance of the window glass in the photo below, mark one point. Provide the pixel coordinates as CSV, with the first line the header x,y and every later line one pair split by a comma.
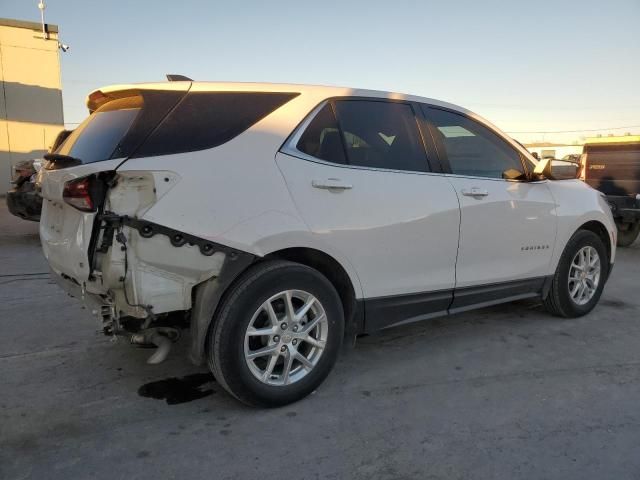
x,y
321,139
381,135
97,137
208,119
199,120
472,149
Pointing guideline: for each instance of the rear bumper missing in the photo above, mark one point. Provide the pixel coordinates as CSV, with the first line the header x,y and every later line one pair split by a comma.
x,y
201,272
96,303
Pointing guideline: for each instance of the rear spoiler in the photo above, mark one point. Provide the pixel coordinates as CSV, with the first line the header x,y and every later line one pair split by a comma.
x,y
99,97
173,77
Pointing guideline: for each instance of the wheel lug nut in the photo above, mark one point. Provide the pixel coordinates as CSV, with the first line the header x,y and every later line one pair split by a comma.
x,y
294,341
295,328
283,326
283,349
276,338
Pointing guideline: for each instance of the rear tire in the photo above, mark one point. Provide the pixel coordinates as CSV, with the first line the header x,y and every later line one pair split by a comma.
x,y
629,235
565,298
262,347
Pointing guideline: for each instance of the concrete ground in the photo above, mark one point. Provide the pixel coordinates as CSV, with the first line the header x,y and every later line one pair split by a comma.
x,y
503,393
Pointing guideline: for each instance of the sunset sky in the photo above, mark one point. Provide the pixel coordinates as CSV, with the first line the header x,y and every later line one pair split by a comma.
x,y
526,66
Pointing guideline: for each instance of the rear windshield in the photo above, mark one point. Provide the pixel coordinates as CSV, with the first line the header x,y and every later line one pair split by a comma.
x,y
98,136
153,123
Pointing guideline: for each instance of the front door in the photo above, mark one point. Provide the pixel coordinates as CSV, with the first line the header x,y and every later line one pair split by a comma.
x,y
508,226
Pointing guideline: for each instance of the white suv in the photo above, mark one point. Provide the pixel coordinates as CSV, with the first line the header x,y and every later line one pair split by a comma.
x,y
276,220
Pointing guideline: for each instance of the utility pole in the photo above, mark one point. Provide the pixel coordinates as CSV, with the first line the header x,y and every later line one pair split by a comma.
x,y
41,7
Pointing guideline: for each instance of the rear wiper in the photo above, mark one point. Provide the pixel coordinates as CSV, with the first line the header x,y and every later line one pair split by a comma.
x,y
62,160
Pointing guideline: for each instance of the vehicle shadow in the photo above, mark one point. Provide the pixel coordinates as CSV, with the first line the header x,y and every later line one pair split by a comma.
x,y
420,343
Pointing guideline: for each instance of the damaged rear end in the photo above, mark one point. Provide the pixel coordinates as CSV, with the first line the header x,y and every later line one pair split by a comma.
x,y
137,276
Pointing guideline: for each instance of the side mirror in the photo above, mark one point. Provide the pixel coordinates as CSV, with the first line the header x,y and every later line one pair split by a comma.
x,y
557,169
513,174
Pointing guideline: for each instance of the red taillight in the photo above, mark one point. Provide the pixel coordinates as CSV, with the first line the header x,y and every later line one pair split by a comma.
x,y
77,193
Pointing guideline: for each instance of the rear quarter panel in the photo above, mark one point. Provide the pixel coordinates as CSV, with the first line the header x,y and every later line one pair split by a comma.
x,y
235,194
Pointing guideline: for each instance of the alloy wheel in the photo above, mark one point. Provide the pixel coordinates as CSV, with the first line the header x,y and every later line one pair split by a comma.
x,y
286,337
584,275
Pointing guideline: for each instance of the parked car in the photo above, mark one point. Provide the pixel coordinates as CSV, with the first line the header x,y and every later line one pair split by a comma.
x,y
24,199
281,218
572,157
614,170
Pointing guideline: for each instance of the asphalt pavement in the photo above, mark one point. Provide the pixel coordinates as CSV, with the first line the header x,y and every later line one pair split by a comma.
x,y
507,392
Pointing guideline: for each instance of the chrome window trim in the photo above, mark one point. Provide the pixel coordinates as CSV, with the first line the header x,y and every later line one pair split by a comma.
x,y
309,158
493,179
290,146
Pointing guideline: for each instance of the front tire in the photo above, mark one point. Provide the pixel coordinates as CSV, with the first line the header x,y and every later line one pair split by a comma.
x,y
580,277
276,335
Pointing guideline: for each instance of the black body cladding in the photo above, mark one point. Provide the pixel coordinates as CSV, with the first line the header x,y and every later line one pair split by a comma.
x,y
384,312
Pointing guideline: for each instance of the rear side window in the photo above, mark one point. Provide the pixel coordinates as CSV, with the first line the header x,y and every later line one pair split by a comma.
x,y
471,148
322,139
97,137
381,135
208,119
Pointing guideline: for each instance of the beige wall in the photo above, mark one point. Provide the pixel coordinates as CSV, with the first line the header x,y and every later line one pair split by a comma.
x,y
30,97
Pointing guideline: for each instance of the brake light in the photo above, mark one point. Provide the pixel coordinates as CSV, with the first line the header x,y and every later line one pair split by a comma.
x,y
77,193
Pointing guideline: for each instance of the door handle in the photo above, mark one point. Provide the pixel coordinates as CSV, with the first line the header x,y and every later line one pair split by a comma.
x,y
475,192
331,184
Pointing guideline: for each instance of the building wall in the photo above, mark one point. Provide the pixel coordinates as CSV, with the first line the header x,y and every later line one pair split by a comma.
x,y
31,95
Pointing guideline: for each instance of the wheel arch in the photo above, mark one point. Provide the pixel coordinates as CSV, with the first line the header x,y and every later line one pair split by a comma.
x,y
209,295
335,273
599,229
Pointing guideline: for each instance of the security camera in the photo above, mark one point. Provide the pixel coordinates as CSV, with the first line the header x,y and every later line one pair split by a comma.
x,y
63,47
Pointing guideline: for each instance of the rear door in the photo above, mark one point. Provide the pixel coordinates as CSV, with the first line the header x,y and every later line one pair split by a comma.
x,y
508,226
367,190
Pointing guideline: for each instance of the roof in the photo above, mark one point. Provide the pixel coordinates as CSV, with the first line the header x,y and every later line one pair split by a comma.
x,y
317,90
313,92
9,22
